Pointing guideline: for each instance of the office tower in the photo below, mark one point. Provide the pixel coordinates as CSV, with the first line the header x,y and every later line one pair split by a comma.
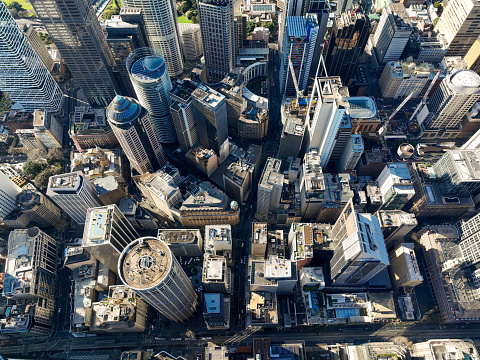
x,y
183,113
470,239
151,81
76,32
312,185
47,129
343,136
149,268
472,57
392,33
107,232
360,251
237,180
38,207
191,39
445,111
404,268
433,48
258,246
240,32
349,36
125,33
23,75
8,194
134,130
400,78
216,275
459,170
396,186
270,187
327,107
395,225
292,136
211,115
38,46
30,277
74,194
182,242
459,24
299,45
351,154
161,26
217,29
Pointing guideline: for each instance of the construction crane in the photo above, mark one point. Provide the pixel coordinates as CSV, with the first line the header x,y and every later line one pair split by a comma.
x,y
425,97
385,126
294,78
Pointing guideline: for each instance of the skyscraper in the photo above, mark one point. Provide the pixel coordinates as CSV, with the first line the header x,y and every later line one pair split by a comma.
x,y
299,44
211,116
38,46
183,113
191,38
107,232
23,74
396,186
151,81
76,32
133,127
74,194
161,25
460,24
217,28
8,194
349,36
38,207
149,268
456,95
360,251
392,33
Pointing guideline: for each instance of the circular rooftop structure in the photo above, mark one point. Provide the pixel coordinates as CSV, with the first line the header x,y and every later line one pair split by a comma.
x,y
144,263
123,110
405,151
465,81
149,68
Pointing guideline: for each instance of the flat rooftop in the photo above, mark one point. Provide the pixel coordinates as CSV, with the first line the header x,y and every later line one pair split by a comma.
x,y
178,236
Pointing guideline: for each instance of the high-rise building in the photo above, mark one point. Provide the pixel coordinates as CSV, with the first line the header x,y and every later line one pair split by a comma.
x,y
360,251
47,129
392,33
38,46
299,45
270,187
351,154
8,194
459,170
216,275
151,81
459,23
348,39
217,29
396,186
77,34
125,33
30,275
38,207
183,113
395,225
444,113
148,267
135,132
191,41
161,26
107,232
258,246
74,194
23,75
469,231
312,185
237,180
472,57
328,104
182,242
211,115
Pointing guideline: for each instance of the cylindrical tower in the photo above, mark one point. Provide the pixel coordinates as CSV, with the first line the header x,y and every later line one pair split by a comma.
x,y
151,81
133,127
149,268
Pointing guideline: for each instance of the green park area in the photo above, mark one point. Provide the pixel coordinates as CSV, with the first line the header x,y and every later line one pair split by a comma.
x,y
184,20
25,4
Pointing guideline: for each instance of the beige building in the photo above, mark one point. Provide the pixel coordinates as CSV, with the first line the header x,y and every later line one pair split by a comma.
x,y
459,24
216,275
259,239
205,160
121,312
404,268
262,309
472,57
253,124
38,207
47,129
182,242
445,349
191,40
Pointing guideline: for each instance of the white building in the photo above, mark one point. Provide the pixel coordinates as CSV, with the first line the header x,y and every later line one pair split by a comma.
x,y
351,154
8,193
396,186
270,187
74,194
191,41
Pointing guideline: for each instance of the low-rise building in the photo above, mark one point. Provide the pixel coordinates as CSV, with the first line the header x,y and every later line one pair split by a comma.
x,y
121,312
182,242
216,276
261,309
300,244
216,311
205,160
97,163
218,240
444,349
259,239
395,225
237,181
404,268
274,274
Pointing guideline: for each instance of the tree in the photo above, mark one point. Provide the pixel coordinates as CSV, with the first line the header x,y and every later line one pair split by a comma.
x,y
15,5
184,7
36,155
31,168
194,19
14,13
41,180
435,21
189,14
250,27
269,25
108,13
437,4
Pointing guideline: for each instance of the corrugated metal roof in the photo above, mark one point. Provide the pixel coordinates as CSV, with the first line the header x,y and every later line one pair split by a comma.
x,y
297,26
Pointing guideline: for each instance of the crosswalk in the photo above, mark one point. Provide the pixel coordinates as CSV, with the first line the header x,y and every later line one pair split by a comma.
x,y
239,337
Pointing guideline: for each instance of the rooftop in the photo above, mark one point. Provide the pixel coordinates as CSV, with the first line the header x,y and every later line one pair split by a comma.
x,y
144,263
259,233
362,107
208,97
178,236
